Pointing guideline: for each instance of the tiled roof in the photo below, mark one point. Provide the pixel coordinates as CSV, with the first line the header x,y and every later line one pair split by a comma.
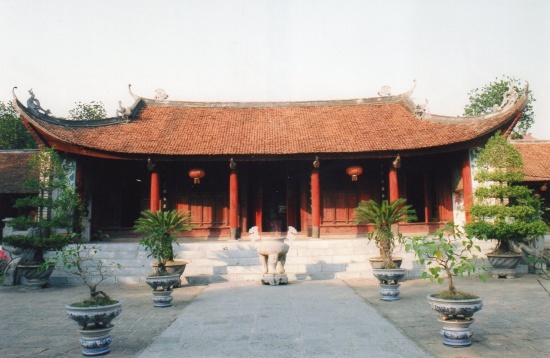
x,y
536,159
13,166
350,126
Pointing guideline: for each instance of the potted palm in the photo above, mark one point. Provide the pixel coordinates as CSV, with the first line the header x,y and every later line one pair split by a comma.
x,y
384,216
504,211
95,312
160,228
448,254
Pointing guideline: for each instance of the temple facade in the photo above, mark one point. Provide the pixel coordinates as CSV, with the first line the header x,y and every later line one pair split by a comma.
x,y
271,165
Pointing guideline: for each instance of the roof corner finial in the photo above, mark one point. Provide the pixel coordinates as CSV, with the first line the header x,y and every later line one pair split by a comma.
x,y
510,98
421,110
33,105
409,92
132,93
123,112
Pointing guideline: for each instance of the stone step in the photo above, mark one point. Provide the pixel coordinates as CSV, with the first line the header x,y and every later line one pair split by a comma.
x,y
209,261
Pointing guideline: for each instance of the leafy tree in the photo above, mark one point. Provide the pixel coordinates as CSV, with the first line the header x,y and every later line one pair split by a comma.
x,y
13,134
87,111
504,210
483,99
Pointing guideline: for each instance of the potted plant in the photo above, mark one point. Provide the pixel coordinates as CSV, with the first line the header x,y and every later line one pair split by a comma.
x,y
503,210
160,228
384,216
58,216
95,312
448,254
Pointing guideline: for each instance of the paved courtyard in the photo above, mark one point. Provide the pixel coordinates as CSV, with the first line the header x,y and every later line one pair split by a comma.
x,y
328,318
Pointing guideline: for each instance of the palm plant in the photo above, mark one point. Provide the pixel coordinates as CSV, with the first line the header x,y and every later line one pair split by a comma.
x,y
160,228
383,216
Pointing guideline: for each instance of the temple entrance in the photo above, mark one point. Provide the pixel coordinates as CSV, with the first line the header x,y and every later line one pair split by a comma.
x,y
274,198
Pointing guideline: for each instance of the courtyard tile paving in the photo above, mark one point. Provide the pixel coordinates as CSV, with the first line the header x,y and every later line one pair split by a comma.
x,y
329,318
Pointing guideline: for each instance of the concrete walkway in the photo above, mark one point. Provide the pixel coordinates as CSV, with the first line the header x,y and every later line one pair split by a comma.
x,y
329,318
302,319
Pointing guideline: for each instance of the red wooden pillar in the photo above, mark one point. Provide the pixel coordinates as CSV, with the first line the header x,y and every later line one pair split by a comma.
x,y
233,201
315,201
427,199
467,185
393,185
155,192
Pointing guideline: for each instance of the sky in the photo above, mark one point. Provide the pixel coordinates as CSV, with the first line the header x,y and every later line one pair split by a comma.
x,y
252,50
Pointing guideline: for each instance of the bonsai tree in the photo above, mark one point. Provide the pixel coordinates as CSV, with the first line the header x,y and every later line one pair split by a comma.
x,y
57,204
160,228
79,259
503,210
447,254
383,216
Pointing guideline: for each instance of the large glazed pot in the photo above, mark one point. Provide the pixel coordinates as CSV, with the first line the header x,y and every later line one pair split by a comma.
x,y
95,323
376,262
162,289
456,317
389,286
175,267
504,265
34,278
95,315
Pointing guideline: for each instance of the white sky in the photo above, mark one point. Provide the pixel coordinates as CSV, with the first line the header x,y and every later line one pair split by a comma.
x,y
251,50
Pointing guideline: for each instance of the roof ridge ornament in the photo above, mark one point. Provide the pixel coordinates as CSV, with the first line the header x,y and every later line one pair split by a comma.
x,y
123,112
33,104
385,91
160,95
421,110
509,99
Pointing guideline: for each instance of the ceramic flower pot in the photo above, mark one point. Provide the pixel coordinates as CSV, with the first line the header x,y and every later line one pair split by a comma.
x,y
162,289
389,286
95,323
175,267
504,266
95,315
456,317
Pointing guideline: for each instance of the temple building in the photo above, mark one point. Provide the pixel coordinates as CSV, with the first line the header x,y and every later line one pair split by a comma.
x,y
271,165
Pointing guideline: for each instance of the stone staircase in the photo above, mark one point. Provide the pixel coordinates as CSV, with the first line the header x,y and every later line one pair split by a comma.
x,y
219,261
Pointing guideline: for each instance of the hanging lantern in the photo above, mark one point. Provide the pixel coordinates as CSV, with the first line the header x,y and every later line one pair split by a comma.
x,y
197,174
354,171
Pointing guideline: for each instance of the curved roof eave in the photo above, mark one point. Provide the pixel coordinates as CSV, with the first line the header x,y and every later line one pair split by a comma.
x,y
511,112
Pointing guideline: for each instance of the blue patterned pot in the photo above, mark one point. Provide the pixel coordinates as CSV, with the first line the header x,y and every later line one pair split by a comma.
x,y
97,315
164,282
455,309
389,276
456,317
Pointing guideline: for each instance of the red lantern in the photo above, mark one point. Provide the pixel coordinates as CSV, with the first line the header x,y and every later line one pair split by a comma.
x,y
354,171
197,174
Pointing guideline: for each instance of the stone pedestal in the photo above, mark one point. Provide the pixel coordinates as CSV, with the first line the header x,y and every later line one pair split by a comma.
x,y
457,332
162,298
96,342
274,280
